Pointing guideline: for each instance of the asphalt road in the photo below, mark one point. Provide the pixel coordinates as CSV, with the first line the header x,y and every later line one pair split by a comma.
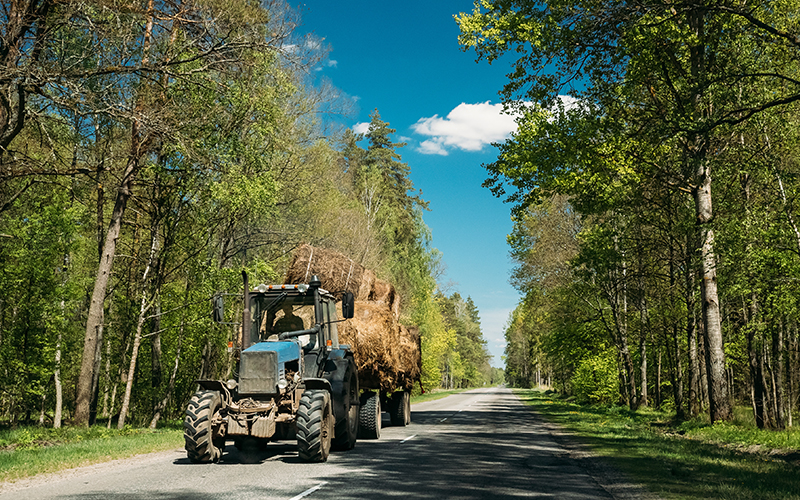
x,y
481,444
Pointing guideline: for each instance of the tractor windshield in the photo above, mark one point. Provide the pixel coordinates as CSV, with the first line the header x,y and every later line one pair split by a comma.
x,y
277,313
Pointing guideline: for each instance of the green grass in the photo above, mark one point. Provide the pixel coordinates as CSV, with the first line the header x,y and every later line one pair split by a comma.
x,y
27,451
689,460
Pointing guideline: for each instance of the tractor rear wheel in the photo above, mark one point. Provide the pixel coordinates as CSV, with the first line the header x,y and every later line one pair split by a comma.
x,y
369,416
347,429
315,423
400,408
198,432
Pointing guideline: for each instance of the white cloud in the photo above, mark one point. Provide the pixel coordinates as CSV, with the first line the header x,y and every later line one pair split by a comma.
x,y
361,128
432,147
469,127
569,102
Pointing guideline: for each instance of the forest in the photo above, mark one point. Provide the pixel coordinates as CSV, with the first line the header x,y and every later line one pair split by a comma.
x,y
654,182
150,151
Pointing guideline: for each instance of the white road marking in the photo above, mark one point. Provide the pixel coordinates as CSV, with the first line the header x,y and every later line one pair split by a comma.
x,y
406,439
309,491
442,420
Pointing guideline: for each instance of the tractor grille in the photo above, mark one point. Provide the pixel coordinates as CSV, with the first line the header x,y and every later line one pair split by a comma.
x,y
258,372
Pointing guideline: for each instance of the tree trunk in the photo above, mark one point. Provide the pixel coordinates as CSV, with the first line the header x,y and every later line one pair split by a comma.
x,y
144,307
659,399
691,331
94,321
643,358
96,375
107,380
702,378
697,151
680,412
57,379
719,404
155,351
777,374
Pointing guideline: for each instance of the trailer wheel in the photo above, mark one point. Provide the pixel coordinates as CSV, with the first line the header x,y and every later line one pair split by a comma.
x,y
201,446
347,429
315,423
369,416
400,408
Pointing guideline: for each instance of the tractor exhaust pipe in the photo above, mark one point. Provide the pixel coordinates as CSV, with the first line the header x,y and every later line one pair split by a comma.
x,y
246,318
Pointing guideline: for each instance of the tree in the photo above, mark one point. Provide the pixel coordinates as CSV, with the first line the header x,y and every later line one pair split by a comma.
x,y
676,77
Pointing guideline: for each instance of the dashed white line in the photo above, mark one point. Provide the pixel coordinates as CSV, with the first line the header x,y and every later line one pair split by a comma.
x,y
442,420
309,491
406,439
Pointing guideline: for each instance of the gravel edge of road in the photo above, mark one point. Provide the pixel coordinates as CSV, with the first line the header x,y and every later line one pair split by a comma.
x,y
616,483
40,479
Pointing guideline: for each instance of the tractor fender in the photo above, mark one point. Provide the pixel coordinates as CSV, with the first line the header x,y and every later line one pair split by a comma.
x,y
317,383
220,387
336,370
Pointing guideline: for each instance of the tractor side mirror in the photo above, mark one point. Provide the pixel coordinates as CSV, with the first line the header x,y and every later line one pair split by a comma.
x,y
218,308
348,305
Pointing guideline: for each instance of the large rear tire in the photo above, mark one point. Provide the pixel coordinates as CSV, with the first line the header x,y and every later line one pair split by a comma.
x,y
198,433
347,429
400,408
369,416
315,424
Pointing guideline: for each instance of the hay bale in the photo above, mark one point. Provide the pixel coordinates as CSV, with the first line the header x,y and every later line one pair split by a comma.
x,y
366,285
384,292
335,271
374,336
410,354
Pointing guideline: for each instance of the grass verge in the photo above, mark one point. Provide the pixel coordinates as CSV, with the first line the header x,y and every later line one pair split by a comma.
x,y
690,460
436,394
28,451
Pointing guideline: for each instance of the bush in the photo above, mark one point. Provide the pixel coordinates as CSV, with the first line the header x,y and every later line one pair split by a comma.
x,y
596,381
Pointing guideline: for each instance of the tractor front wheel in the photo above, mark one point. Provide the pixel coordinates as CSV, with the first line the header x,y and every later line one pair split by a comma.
x,y
198,432
315,423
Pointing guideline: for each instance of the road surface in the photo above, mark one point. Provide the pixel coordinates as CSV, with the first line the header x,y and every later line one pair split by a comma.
x,y
480,444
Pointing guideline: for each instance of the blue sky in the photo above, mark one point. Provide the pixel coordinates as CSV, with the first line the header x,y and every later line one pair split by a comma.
x,y
403,58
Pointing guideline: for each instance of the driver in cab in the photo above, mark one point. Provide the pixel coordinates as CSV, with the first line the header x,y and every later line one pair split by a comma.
x,y
289,322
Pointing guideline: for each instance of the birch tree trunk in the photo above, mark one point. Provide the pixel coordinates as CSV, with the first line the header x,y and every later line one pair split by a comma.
x,y
57,379
144,307
697,148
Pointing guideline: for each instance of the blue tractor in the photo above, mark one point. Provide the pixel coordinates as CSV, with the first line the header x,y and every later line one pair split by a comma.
x,y
294,378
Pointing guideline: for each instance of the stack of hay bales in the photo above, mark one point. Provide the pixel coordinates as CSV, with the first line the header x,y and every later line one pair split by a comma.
x,y
387,353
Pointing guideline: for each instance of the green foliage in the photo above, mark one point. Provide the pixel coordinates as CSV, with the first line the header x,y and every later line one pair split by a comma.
x,y
673,96
230,171
596,379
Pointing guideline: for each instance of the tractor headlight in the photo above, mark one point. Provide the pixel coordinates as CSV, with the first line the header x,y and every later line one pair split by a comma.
x,y
282,384
231,384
